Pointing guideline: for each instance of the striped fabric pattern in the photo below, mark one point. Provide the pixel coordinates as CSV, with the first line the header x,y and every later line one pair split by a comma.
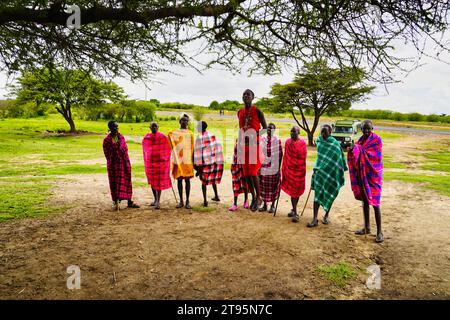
x,y
329,170
366,169
119,167
208,157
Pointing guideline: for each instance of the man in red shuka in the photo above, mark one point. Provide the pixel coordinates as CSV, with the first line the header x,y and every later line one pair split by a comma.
x,y
293,170
249,152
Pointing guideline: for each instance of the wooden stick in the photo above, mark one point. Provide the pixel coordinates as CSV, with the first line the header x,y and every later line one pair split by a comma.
x,y
278,199
176,200
309,193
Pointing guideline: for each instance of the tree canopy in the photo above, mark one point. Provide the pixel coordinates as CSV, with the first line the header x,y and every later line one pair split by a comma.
x,y
66,89
139,38
320,89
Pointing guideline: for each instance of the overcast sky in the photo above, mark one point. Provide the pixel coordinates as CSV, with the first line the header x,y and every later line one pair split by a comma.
x,y
425,90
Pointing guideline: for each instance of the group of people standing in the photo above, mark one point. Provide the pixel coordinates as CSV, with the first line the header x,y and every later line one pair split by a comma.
x,y
259,166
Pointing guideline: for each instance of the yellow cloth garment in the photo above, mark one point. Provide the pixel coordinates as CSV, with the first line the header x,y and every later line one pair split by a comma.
x,y
182,144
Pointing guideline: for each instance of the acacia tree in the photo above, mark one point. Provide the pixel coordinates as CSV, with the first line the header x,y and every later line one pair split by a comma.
x,y
142,37
66,89
320,89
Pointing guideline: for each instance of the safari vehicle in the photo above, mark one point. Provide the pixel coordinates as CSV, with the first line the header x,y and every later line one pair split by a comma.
x,y
346,132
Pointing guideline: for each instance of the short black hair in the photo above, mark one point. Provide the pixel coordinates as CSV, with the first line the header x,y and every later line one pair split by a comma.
x,y
110,123
253,94
204,125
184,115
272,124
327,126
368,122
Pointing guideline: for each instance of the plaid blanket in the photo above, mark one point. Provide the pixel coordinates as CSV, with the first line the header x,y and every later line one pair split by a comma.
x,y
157,152
237,174
272,152
119,167
366,169
182,145
269,173
208,158
270,187
293,168
329,171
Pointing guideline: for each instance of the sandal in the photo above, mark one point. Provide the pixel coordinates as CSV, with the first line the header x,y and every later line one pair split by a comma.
x,y
205,204
215,199
263,209
180,205
295,218
325,220
291,214
272,210
134,205
233,208
379,238
188,206
313,224
254,206
362,232
246,206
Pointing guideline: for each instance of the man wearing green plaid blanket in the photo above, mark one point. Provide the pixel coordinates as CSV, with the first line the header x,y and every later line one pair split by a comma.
x,y
328,176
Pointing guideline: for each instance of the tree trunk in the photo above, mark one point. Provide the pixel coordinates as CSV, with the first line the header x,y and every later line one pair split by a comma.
x,y
65,112
311,138
72,124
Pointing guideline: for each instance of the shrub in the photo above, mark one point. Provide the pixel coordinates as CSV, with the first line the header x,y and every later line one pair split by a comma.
x,y
214,105
398,116
17,109
415,116
124,111
433,118
199,113
177,105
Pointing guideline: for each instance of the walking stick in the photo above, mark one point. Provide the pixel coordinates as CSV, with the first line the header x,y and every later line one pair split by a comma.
x,y
176,200
278,199
307,198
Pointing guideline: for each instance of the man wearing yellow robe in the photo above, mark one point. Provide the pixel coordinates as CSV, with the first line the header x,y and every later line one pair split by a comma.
x,y
182,144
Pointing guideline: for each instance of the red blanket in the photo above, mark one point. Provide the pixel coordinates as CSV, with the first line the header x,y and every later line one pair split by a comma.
x,y
119,167
157,153
293,168
249,151
366,169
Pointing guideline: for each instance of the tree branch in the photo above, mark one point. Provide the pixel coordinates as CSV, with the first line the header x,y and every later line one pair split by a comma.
x,y
100,13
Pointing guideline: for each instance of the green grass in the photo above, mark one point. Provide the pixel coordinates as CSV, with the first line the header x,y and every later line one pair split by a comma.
x,y
438,161
23,200
388,163
388,135
440,183
339,273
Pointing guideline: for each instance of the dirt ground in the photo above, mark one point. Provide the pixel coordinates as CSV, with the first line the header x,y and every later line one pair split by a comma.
x,y
181,254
